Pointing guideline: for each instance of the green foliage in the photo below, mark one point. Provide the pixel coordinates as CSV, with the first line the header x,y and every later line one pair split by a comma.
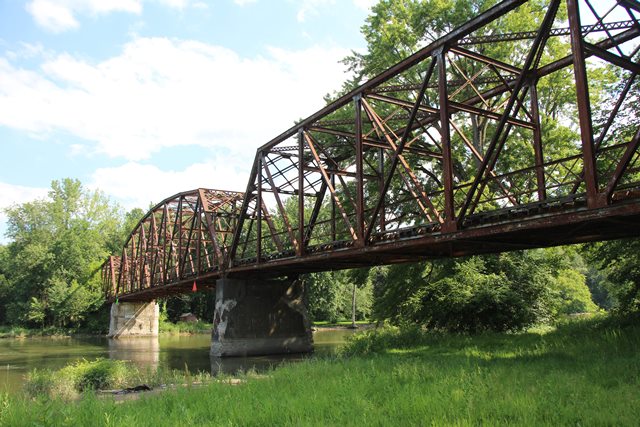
x,y
80,376
36,313
505,292
201,304
330,295
571,293
599,288
101,374
619,261
199,327
48,271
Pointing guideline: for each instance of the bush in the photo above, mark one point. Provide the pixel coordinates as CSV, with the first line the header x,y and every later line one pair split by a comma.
x,y
503,293
101,374
43,382
80,376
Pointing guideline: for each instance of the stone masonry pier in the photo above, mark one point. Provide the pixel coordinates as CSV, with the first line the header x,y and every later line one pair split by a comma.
x,y
260,317
134,319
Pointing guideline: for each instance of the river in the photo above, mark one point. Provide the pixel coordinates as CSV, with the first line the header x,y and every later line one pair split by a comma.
x,y
19,356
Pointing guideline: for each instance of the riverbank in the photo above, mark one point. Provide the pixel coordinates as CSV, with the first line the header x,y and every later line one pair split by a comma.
x,y
165,327
52,331
169,328
583,373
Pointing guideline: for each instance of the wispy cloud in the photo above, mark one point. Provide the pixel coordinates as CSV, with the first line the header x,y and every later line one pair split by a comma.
x,y
364,4
52,16
311,7
244,2
137,184
164,93
62,15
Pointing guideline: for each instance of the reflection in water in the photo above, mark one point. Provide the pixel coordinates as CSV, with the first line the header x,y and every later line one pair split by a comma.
x,y
145,352
19,356
326,342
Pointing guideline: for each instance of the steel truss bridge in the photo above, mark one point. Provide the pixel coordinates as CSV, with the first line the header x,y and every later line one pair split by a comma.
x,y
450,152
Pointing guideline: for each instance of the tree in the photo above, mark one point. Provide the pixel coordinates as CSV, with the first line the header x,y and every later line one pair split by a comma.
x,y
331,295
619,260
57,246
504,292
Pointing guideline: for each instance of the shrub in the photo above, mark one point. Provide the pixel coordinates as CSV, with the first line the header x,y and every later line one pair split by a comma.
x,y
100,374
80,376
503,293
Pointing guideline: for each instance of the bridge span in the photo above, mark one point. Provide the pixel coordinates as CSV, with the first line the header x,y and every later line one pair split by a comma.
x,y
453,151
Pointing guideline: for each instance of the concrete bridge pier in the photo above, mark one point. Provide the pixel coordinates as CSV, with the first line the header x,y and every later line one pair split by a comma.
x,y
260,317
134,319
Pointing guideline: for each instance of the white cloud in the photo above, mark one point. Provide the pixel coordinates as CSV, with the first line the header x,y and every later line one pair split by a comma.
x,y
11,194
244,2
200,5
62,15
165,93
176,4
364,4
52,16
310,7
136,185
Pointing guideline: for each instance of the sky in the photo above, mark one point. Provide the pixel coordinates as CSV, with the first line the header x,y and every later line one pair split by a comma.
x,y
146,98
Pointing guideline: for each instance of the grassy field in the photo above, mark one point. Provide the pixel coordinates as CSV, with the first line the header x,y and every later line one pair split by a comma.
x,y
583,373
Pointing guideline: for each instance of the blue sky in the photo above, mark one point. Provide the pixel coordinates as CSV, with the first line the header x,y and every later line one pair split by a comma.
x,y
146,98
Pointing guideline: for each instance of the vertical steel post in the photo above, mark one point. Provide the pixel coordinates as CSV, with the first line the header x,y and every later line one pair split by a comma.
x,y
383,221
114,286
357,100
537,141
165,260
199,213
333,210
301,236
449,224
584,106
179,220
259,211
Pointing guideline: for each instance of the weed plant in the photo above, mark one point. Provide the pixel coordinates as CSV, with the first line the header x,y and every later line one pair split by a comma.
x,y
103,374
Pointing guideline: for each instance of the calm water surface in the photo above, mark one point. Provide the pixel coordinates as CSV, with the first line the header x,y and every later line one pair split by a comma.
x,y
19,356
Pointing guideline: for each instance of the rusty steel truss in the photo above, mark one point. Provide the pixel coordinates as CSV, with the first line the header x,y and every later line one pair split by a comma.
x,y
450,152
183,237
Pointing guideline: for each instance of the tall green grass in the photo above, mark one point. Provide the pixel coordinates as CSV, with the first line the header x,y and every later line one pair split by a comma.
x,y
71,381
585,373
